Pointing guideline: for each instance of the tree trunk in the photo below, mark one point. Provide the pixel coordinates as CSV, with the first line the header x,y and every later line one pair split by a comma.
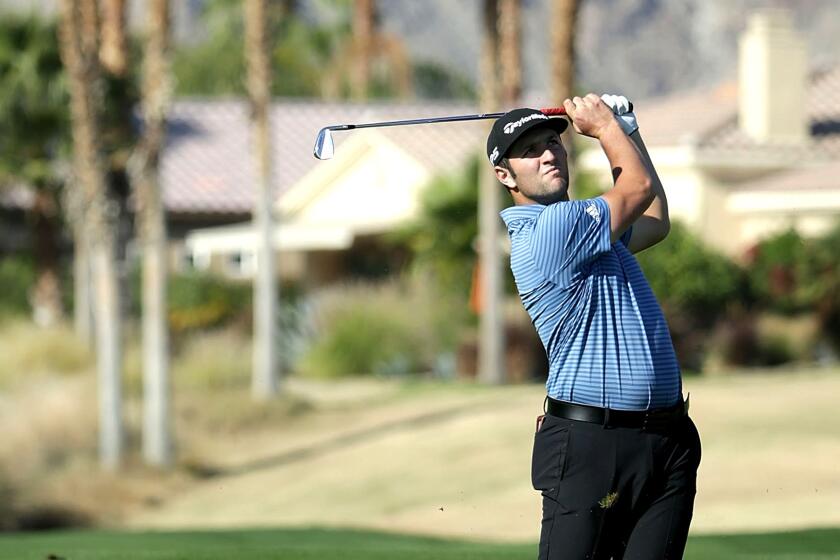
x,y
562,28
489,88
491,321
563,20
112,51
47,308
510,51
82,298
265,380
363,32
78,45
144,170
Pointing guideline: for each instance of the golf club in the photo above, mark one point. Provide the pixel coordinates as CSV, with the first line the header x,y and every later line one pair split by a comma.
x,y
325,148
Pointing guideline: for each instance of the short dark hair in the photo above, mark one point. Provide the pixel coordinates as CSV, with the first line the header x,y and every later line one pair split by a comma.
x,y
505,162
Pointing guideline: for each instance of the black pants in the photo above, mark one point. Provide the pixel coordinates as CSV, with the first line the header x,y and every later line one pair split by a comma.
x,y
619,493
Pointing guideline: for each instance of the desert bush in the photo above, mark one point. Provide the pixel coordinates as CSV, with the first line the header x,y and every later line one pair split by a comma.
x,y
690,278
197,300
776,271
26,349
392,328
17,276
200,301
695,286
213,360
441,238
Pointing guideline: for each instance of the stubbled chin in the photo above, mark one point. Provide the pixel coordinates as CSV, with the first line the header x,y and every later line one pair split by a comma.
x,y
550,197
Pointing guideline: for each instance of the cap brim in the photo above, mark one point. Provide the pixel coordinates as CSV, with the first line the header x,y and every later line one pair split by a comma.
x,y
558,124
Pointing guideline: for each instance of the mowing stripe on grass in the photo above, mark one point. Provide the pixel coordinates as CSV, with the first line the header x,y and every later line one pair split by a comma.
x,y
318,543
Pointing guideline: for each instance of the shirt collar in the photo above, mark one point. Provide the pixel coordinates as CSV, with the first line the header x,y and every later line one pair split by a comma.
x,y
521,212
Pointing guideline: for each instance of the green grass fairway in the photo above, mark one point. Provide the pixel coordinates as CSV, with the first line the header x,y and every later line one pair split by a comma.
x,y
293,544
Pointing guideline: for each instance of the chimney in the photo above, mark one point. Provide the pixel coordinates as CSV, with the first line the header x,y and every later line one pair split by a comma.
x,y
772,80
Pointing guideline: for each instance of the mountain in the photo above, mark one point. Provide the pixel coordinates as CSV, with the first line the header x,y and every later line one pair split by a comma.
x,y
637,47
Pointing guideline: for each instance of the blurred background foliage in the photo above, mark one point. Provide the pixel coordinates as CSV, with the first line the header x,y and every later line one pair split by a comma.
x,y
781,303
307,57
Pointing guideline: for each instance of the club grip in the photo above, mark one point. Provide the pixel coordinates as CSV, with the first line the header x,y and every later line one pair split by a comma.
x,y
552,111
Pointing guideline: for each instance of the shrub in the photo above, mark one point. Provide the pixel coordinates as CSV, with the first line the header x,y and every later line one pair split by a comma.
x,y
442,237
26,349
690,278
822,290
197,301
776,272
393,328
200,301
213,360
17,276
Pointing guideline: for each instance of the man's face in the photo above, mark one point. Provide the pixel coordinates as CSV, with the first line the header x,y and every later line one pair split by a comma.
x,y
540,171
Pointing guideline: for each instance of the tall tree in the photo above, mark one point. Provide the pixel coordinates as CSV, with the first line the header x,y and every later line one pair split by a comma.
x,y
33,133
112,49
78,42
144,167
563,22
491,324
510,50
265,378
364,16
368,48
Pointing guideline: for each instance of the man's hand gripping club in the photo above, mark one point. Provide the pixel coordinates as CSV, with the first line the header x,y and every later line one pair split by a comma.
x,y
633,192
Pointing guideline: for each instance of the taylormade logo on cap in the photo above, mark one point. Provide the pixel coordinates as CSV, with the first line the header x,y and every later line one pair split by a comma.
x,y
512,126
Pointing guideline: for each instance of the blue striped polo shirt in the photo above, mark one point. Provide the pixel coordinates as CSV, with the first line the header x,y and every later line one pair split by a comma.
x,y
604,333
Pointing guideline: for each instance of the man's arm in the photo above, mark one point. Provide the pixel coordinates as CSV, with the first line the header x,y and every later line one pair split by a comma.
x,y
633,192
654,224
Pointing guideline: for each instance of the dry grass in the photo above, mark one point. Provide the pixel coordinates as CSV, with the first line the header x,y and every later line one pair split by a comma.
x,y
453,462
27,351
446,459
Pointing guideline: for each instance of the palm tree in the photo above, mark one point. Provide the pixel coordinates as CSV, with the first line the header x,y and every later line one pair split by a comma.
x,y
563,21
264,381
489,90
144,169
353,65
491,324
510,50
112,50
33,133
77,39
364,15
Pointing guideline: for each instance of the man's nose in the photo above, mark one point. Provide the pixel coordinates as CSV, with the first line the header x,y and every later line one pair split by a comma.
x,y
548,155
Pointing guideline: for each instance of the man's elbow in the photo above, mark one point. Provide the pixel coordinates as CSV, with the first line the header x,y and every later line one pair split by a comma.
x,y
664,228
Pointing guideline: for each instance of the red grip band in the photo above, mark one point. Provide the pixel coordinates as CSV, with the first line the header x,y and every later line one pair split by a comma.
x,y
553,111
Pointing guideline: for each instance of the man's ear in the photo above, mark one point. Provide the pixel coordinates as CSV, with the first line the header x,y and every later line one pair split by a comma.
x,y
505,177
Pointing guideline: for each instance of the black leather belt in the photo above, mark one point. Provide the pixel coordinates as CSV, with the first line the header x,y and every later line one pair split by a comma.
x,y
652,420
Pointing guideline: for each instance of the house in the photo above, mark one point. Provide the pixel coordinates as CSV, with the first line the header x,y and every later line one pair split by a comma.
x,y
743,160
331,214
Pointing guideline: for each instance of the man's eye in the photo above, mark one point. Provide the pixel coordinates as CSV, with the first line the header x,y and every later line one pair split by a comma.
x,y
553,142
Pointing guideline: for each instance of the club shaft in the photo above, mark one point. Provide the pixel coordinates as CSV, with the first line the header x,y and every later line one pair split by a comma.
x,y
432,120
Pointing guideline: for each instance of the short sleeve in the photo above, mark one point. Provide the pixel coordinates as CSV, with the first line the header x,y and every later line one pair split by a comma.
x,y
570,234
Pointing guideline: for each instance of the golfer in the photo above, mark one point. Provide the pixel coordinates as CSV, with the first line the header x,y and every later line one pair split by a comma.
x,y
616,455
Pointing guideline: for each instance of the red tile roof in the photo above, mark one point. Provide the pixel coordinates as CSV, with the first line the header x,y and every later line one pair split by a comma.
x,y
709,119
208,166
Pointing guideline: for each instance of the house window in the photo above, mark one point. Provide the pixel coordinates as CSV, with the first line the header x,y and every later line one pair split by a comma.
x,y
241,264
197,260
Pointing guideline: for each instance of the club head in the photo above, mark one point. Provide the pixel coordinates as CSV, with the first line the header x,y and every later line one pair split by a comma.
x,y
324,146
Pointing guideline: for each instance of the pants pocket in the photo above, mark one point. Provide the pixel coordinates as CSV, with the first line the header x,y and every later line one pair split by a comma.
x,y
551,446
